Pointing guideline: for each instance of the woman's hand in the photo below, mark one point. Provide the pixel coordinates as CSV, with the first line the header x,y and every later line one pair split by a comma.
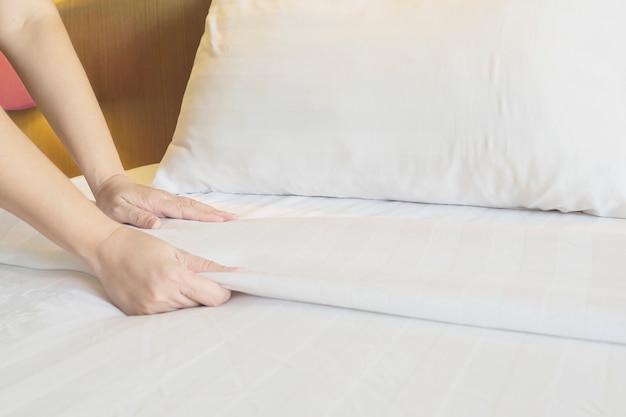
x,y
140,273
144,275
128,202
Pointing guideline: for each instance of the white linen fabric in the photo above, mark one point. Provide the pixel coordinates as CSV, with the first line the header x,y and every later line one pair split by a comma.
x,y
499,103
540,272
67,351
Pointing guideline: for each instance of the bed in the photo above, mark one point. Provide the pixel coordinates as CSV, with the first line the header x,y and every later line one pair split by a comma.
x,y
456,295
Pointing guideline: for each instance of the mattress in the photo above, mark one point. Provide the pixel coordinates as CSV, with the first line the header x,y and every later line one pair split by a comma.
x,y
345,307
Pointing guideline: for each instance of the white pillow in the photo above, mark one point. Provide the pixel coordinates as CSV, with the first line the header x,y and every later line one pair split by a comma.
x,y
500,103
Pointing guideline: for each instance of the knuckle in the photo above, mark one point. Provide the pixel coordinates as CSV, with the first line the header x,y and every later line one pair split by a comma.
x,y
186,203
211,266
142,216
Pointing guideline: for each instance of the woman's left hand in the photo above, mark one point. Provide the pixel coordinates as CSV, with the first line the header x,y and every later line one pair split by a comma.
x,y
125,201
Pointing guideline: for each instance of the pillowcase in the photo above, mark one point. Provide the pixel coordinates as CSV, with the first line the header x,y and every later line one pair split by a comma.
x,y
498,103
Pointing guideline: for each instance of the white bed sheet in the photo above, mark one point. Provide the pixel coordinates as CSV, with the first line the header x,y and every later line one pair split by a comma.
x,y
67,351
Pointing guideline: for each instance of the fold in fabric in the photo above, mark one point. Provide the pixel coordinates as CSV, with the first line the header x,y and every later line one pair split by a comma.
x,y
556,279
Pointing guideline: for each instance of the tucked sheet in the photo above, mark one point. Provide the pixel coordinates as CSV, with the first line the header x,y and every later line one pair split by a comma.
x,y
529,271
67,352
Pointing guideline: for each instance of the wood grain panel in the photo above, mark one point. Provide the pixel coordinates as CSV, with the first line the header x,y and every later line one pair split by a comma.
x,y
138,55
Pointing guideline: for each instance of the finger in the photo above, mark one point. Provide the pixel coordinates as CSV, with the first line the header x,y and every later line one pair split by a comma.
x,y
197,264
175,302
203,290
182,301
189,209
136,216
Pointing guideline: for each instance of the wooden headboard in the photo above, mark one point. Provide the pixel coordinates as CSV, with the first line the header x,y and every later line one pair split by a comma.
x,y
138,55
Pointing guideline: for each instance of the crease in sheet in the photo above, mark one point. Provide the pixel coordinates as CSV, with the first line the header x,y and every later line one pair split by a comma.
x,y
422,272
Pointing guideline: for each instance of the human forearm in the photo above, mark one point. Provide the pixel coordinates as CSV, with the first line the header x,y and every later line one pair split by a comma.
x,y
41,51
34,38
140,273
35,190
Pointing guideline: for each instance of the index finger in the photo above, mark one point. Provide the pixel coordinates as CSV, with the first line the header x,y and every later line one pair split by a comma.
x,y
200,289
189,209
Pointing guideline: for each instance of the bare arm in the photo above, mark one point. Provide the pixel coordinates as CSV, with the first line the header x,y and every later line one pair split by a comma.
x,y
33,37
140,273
32,188
37,45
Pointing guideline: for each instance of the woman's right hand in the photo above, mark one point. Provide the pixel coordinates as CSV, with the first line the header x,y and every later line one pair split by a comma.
x,y
145,275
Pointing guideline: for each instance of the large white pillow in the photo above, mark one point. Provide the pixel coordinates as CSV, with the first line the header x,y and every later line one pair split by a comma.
x,y
501,103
